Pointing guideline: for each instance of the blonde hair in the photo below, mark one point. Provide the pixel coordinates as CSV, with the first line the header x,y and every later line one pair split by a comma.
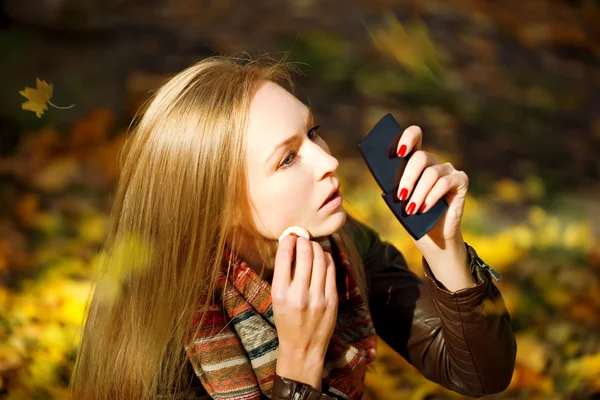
x,y
181,189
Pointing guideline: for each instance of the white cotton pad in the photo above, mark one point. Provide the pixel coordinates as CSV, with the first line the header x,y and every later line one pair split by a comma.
x,y
295,229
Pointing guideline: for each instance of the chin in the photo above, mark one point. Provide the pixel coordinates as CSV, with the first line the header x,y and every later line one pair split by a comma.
x,y
333,223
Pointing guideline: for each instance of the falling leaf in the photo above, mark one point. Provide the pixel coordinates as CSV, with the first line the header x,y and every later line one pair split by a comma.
x,y
412,46
130,253
37,97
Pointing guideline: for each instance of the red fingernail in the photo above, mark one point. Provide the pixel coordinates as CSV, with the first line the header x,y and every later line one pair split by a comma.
x,y
403,194
422,208
411,208
402,150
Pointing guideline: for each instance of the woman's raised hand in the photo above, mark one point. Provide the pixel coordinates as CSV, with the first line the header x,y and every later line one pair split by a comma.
x,y
305,305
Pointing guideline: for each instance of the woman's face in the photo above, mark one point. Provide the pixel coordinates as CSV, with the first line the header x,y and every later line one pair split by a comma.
x,y
289,182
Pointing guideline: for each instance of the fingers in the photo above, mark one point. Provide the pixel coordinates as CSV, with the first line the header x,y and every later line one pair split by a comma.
x,y
314,269
429,178
330,285
415,166
304,264
425,198
319,269
411,139
282,275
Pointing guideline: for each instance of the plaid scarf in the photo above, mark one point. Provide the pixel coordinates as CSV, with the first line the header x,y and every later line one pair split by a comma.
x,y
234,352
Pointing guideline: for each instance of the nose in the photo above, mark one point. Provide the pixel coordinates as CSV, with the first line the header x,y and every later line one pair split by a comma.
x,y
326,164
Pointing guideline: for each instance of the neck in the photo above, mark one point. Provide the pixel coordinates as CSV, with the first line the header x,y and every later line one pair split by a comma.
x,y
254,261
248,252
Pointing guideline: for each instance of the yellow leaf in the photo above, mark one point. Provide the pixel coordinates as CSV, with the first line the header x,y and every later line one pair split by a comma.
x,y
381,383
509,191
537,215
558,297
523,236
48,223
559,332
500,251
587,368
472,206
536,385
57,174
37,97
549,234
532,353
129,254
578,235
9,357
512,299
411,47
42,370
92,228
535,187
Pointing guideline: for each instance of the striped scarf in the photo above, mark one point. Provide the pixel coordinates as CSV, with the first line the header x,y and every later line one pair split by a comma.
x,y
234,352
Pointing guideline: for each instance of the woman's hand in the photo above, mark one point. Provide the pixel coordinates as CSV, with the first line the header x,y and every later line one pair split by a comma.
x,y
305,305
437,181
443,246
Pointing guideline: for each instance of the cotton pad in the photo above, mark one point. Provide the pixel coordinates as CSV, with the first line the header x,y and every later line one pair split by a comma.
x,y
294,229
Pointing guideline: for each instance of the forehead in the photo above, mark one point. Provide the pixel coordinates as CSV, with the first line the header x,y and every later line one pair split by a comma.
x,y
275,114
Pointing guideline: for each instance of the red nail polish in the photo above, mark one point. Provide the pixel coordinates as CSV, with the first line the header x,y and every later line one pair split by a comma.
x,y
402,150
411,208
403,194
422,208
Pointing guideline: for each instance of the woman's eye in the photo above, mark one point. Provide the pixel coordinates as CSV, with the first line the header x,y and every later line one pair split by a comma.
x,y
292,154
285,164
314,130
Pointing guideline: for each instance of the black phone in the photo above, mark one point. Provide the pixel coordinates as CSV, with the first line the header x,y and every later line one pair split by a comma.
x,y
378,149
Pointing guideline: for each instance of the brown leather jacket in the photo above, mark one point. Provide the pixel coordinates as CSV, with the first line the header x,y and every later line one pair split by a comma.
x,y
441,333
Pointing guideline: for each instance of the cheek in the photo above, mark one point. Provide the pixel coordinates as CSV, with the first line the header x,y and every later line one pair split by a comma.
x,y
289,198
282,205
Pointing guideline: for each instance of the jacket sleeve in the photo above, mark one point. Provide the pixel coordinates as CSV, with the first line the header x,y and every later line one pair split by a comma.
x,y
443,334
284,389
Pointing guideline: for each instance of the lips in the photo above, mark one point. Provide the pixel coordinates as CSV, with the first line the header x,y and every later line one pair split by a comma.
x,y
332,194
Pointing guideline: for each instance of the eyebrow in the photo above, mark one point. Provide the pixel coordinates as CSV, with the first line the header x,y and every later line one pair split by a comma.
x,y
293,138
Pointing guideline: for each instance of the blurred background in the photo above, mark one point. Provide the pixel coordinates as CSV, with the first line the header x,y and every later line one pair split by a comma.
x,y
506,90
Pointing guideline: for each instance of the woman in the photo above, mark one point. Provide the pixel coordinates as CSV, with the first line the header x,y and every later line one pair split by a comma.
x,y
221,162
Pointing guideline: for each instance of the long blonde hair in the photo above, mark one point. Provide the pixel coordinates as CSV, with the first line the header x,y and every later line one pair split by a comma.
x,y
181,189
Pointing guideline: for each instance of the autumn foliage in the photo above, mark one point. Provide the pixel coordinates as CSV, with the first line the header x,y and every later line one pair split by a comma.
x,y
55,197
54,217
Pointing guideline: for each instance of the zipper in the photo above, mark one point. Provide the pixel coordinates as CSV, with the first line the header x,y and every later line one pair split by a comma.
x,y
300,392
480,263
477,261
